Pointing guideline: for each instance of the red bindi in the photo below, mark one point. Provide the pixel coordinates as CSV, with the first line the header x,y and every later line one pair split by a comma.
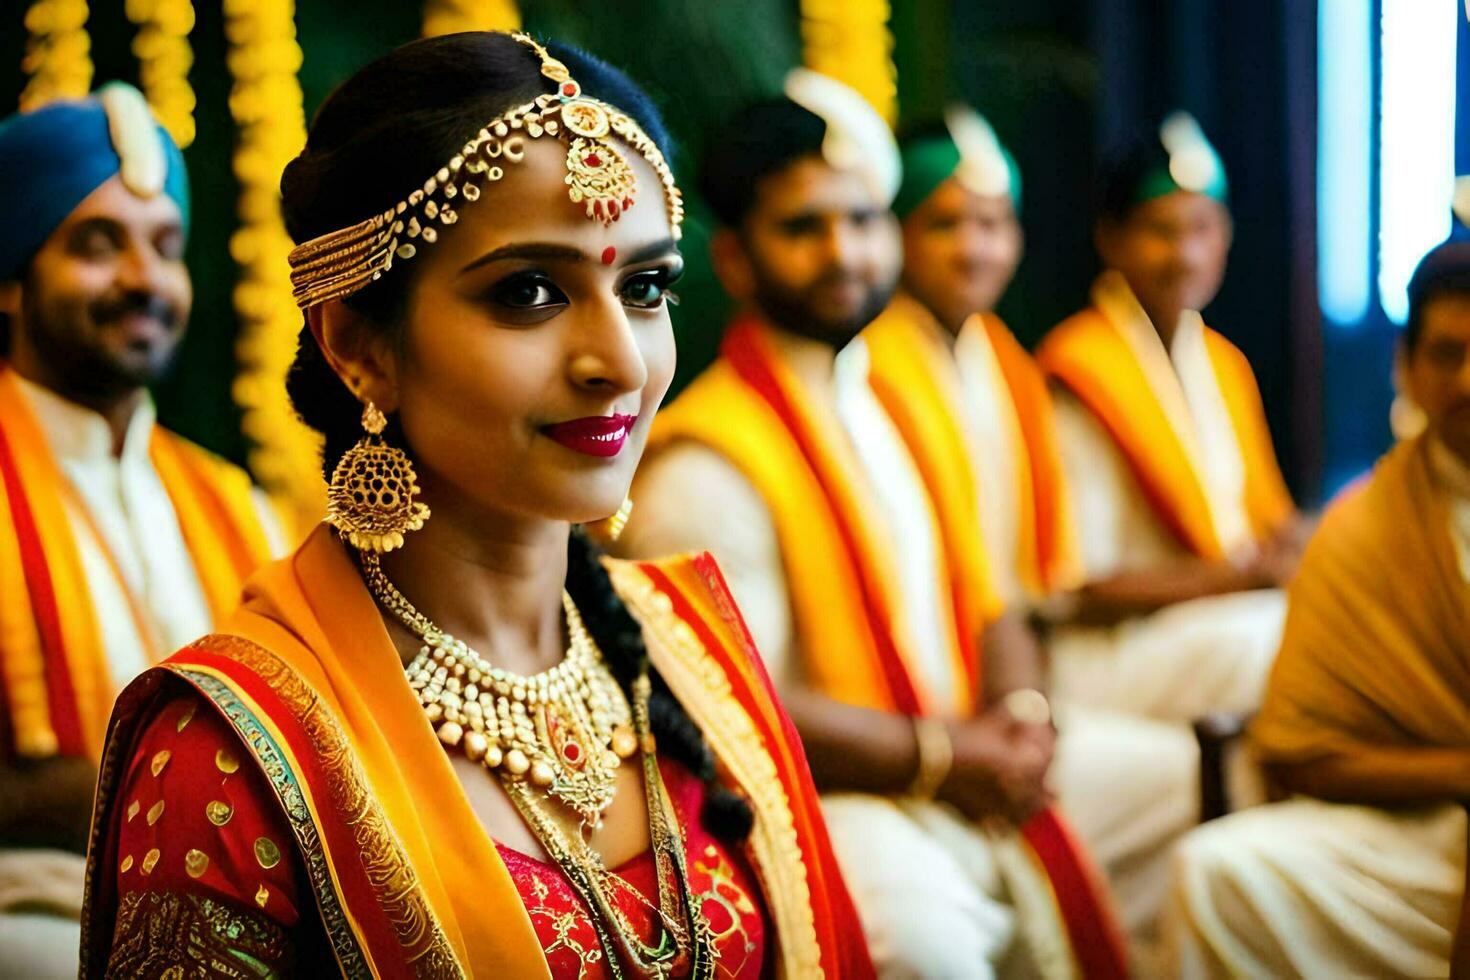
x,y
608,254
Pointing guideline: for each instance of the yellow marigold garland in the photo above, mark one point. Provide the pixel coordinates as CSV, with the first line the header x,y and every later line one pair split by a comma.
x,y
849,40
164,60
266,103
452,16
58,55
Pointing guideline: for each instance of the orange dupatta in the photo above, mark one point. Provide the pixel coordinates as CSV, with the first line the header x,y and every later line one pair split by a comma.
x,y
407,881
1089,355
54,680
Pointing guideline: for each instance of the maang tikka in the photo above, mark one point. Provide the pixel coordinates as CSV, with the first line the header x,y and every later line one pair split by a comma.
x,y
372,497
597,135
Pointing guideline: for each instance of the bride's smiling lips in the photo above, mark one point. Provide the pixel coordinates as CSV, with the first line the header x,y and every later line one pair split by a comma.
x,y
595,435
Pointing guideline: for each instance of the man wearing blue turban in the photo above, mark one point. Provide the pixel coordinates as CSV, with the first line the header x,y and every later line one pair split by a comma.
x,y
119,541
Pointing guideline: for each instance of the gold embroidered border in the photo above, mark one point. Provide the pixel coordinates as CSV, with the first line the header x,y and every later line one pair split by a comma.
x,y
283,781
110,770
392,878
173,934
703,689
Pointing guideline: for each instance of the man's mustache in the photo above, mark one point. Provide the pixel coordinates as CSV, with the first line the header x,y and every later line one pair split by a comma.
x,y
136,303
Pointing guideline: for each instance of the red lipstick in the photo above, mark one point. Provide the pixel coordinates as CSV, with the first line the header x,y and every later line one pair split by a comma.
x,y
596,435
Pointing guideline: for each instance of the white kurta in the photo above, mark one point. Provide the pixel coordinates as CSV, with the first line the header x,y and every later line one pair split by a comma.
x,y
933,897
1210,654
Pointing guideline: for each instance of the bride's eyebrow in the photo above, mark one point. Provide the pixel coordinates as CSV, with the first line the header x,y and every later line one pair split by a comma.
x,y
653,250
545,251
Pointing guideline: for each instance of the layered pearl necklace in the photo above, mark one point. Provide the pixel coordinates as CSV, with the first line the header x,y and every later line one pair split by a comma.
x,y
565,732
566,729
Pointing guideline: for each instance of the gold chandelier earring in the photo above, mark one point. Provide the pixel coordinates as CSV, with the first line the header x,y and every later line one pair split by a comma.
x,y
372,498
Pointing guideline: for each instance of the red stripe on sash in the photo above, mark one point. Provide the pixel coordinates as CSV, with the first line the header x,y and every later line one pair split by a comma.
x,y
844,953
1097,941
745,350
61,696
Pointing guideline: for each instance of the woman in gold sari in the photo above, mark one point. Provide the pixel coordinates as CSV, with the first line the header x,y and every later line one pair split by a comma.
x,y
446,738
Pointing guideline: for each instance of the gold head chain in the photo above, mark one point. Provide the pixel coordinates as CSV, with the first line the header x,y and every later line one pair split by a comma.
x,y
341,262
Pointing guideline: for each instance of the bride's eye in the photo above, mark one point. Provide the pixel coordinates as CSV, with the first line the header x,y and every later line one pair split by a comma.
x,y
649,290
527,291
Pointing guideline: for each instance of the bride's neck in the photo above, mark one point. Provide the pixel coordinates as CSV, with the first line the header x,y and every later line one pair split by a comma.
x,y
492,580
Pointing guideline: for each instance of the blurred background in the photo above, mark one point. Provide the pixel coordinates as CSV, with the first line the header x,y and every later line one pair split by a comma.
x,y
1337,121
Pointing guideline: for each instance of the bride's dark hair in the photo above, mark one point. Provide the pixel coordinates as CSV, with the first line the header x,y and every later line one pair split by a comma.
x,y
372,142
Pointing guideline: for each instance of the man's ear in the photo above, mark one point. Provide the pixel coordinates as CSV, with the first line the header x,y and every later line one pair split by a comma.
x,y
356,350
732,264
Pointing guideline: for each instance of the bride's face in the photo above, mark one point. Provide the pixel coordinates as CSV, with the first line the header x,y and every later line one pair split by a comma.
x,y
538,344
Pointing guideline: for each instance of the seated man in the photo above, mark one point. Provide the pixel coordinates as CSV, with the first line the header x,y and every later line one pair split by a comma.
x,y
1367,713
1186,527
781,461
118,540
975,413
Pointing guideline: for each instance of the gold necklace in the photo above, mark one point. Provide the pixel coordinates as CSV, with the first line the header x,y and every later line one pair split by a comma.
x,y
566,729
686,942
586,693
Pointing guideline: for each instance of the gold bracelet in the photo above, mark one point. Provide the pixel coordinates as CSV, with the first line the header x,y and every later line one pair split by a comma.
x,y
936,757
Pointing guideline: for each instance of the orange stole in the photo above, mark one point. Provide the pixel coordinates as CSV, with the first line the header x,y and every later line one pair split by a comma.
x,y
1087,354
1058,563
843,588
54,678
407,880
1376,649
919,392
914,376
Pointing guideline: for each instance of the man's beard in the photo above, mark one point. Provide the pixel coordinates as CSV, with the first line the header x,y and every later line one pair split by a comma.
x,y
66,339
799,314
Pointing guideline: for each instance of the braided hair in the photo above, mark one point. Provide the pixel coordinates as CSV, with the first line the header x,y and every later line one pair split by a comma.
x,y
373,140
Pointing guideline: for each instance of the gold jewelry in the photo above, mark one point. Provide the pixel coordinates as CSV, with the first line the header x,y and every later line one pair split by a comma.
x,y
936,757
607,531
371,496
489,712
686,933
340,263
565,730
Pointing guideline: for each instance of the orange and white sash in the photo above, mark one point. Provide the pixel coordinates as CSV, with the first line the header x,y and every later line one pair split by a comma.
x,y
55,684
916,378
1120,371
